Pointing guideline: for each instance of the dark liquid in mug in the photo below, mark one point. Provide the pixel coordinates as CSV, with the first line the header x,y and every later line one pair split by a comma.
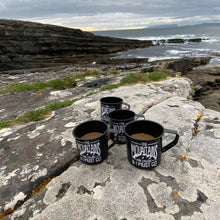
x,y
142,136
91,135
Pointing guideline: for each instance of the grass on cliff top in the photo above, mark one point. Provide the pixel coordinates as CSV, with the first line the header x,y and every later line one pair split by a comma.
x,y
67,82
37,115
58,84
133,78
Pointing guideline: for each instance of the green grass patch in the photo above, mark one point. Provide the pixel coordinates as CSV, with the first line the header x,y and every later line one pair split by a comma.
x,y
5,124
59,105
143,77
35,115
133,78
82,76
114,72
92,73
111,86
158,75
39,114
89,94
67,82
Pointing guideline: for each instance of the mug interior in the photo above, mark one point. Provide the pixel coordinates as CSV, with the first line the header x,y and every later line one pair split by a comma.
x,y
121,115
144,126
90,126
111,100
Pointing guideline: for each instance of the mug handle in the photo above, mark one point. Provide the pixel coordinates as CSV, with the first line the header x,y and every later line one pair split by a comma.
x,y
114,131
139,116
173,143
128,106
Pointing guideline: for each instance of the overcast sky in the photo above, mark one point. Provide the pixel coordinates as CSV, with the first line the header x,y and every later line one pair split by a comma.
x,y
93,15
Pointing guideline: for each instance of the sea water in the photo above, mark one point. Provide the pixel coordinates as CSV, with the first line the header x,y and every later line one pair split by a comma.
x,y
209,46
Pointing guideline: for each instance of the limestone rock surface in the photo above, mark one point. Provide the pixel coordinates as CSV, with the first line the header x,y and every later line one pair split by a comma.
x,y
184,186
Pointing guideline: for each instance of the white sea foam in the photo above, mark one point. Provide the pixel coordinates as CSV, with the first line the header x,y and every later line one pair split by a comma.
x,y
209,46
151,59
201,49
178,52
211,39
164,37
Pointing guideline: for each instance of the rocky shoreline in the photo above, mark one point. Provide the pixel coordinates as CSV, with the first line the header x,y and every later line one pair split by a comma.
x,y
205,80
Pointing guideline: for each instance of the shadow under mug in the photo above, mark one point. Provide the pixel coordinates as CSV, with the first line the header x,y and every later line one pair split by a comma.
x,y
118,120
146,153
110,104
93,150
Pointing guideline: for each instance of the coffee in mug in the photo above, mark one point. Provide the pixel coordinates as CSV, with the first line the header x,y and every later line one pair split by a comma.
x,y
142,136
146,153
91,135
92,141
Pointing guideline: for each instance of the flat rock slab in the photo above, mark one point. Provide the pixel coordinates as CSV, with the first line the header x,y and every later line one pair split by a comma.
x,y
185,184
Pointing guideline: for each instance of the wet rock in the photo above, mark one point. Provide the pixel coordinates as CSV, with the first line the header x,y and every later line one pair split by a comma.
x,y
195,40
187,64
206,83
176,41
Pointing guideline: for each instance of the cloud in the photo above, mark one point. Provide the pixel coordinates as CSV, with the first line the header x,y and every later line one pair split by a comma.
x,y
99,21
107,14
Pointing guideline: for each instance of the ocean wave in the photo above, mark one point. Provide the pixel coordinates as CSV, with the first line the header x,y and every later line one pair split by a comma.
x,y
164,37
156,39
178,51
201,49
151,59
212,40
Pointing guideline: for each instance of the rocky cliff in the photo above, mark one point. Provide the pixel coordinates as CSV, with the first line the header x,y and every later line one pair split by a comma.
x,y
30,45
27,45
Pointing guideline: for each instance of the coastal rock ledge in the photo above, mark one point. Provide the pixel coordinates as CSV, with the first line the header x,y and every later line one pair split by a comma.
x,y
40,177
28,45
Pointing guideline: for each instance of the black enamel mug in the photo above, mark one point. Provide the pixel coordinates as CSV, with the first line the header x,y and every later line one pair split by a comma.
x,y
110,104
144,143
118,120
92,141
